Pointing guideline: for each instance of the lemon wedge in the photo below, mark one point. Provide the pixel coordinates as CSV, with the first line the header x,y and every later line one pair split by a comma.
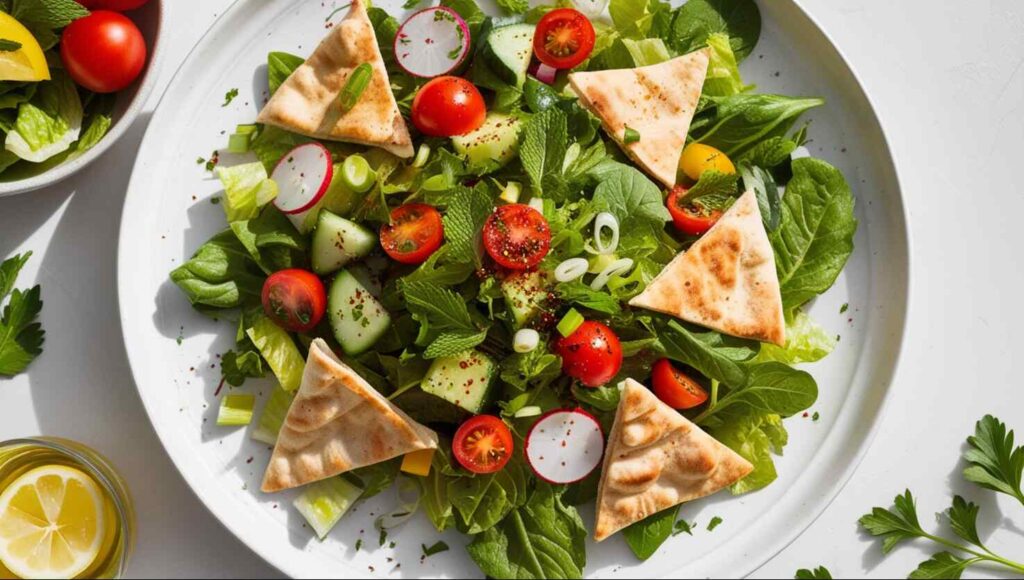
x,y
51,523
27,63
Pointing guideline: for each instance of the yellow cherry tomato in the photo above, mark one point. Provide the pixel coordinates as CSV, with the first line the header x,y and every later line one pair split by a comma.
x,y
698,158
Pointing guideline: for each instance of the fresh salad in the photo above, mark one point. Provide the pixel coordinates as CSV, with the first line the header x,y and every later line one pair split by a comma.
x,y
60,67
516,264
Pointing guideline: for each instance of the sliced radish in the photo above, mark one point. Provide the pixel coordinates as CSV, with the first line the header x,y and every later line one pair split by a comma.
x,y
302,176
565,446
432,42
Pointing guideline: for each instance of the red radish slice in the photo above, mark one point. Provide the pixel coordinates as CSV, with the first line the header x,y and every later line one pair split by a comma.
x,y
565,446
303,176
432,42
543,73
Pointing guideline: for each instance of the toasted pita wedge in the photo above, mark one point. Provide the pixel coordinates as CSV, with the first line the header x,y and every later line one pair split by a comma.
x,y
338,423
657,459
726,281
657,101
307,103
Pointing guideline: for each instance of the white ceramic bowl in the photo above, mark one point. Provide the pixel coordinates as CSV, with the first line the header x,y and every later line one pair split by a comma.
x,y
150,20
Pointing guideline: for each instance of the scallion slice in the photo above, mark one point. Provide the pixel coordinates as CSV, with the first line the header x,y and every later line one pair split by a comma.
x,y
357,174
355,86
422,156
570,322
235,410
630,135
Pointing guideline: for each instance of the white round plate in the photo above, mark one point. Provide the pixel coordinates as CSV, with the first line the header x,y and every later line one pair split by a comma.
x,y
173,350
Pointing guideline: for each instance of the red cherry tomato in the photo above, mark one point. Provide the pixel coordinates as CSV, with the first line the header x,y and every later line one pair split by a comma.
x,y
688,218
415,232
294,299
448,106
564,38
483,444
592,354
115,5
517,236
676,389
103,52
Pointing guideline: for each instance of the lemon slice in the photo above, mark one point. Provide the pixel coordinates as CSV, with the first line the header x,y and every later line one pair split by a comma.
x,y
27,63
51,523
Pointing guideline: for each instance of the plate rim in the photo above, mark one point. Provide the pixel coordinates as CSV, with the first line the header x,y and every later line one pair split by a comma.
x,y
281,562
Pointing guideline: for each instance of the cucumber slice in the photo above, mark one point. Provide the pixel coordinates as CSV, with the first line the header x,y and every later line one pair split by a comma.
x,y
463,380
357,318
508,51
337,241
493,145
524,293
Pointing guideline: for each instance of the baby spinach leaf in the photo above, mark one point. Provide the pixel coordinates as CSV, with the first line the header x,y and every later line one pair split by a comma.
x,y
737,123
714,355
543,539
815,237
221,274
696,20
756,437
772,388
280,66
646,536
482,501
631,197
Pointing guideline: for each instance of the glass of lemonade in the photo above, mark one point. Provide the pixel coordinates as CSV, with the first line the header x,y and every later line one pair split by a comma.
x,y
64,512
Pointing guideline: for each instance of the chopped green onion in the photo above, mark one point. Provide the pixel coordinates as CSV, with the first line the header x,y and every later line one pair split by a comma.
x,y
531,411
512,191
236,410
570,322
422,156
630,136
355,86
325,502
272,418
238,143
246,129
435,549
357,174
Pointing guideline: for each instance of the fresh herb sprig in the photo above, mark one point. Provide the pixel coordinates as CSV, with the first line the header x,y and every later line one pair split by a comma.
x,y
994,464
21,337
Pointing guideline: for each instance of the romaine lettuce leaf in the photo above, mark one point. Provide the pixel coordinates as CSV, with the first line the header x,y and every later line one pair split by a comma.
x,y
806,342
756,436
247,188
723,72
48,124
279,350
220,274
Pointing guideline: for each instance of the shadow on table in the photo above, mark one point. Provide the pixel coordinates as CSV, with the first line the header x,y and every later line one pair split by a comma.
x,y
21,215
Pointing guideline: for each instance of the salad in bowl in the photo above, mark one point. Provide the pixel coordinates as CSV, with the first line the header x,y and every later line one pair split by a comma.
x,y
517,264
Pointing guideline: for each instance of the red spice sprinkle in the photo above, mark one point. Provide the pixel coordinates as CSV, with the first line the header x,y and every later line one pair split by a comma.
x,y
219,387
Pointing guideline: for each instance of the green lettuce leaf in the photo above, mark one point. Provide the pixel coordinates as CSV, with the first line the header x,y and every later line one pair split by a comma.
x,y
221,274
735,124
48,124
806,342
756,437
247,188
280,66
279,350
697,20
723,72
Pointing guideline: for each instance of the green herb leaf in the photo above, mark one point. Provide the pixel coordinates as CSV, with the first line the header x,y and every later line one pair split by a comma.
x,y
714,523
453,343
697,20
737,123
646,536
819,573
896,525
963,518
604,399
51,14
444,309
714,355
683,527
440,546
21,337
514,6
235,367
482,501
229,96
280,66
770,153
467,213
579,293
631,197
995,463
9,45
943,565
544,142
808,254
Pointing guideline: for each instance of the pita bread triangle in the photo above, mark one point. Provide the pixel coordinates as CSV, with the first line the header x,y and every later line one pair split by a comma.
x,y
337,423
307,102
726,280
657,101
657,459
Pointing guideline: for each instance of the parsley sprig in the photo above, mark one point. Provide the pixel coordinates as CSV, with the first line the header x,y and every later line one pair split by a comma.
x,y
21,337
994,464
819,573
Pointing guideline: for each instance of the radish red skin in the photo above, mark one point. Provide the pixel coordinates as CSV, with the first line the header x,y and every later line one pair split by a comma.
x,y
529,437
321,190
400,49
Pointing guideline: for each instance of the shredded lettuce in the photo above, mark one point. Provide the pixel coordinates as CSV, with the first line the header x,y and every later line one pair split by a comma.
x,y
279,350
723,71
48,124
247,188
806,342
272,417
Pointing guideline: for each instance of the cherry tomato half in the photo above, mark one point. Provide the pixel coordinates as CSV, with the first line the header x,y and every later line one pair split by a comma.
x,y
592,354
415,232
448,106
688,218
294,299
676,389
115,5
483,444
564,38
517,236
103,52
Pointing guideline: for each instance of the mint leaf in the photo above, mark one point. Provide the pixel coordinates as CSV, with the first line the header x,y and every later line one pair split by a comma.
x,y
50,13
443,308
713,183
583,295
995,463
9,45
714,523
440,546
770,152
514,6
467,213
896,525
819,573
943,566
545,140
815,236
453,343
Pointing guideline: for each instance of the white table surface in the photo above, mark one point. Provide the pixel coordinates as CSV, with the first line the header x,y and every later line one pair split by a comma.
x,y
946,77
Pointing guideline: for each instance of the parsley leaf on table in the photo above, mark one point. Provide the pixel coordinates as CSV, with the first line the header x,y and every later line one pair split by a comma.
x,y
819,573
21,337
995,463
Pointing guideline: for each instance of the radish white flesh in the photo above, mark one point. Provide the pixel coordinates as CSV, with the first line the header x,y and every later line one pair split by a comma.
x,y
302,176
565,446
432,42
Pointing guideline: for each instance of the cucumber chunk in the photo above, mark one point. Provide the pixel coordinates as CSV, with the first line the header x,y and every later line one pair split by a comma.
x,y
338,241
357,318
464,380
493,145
508,50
